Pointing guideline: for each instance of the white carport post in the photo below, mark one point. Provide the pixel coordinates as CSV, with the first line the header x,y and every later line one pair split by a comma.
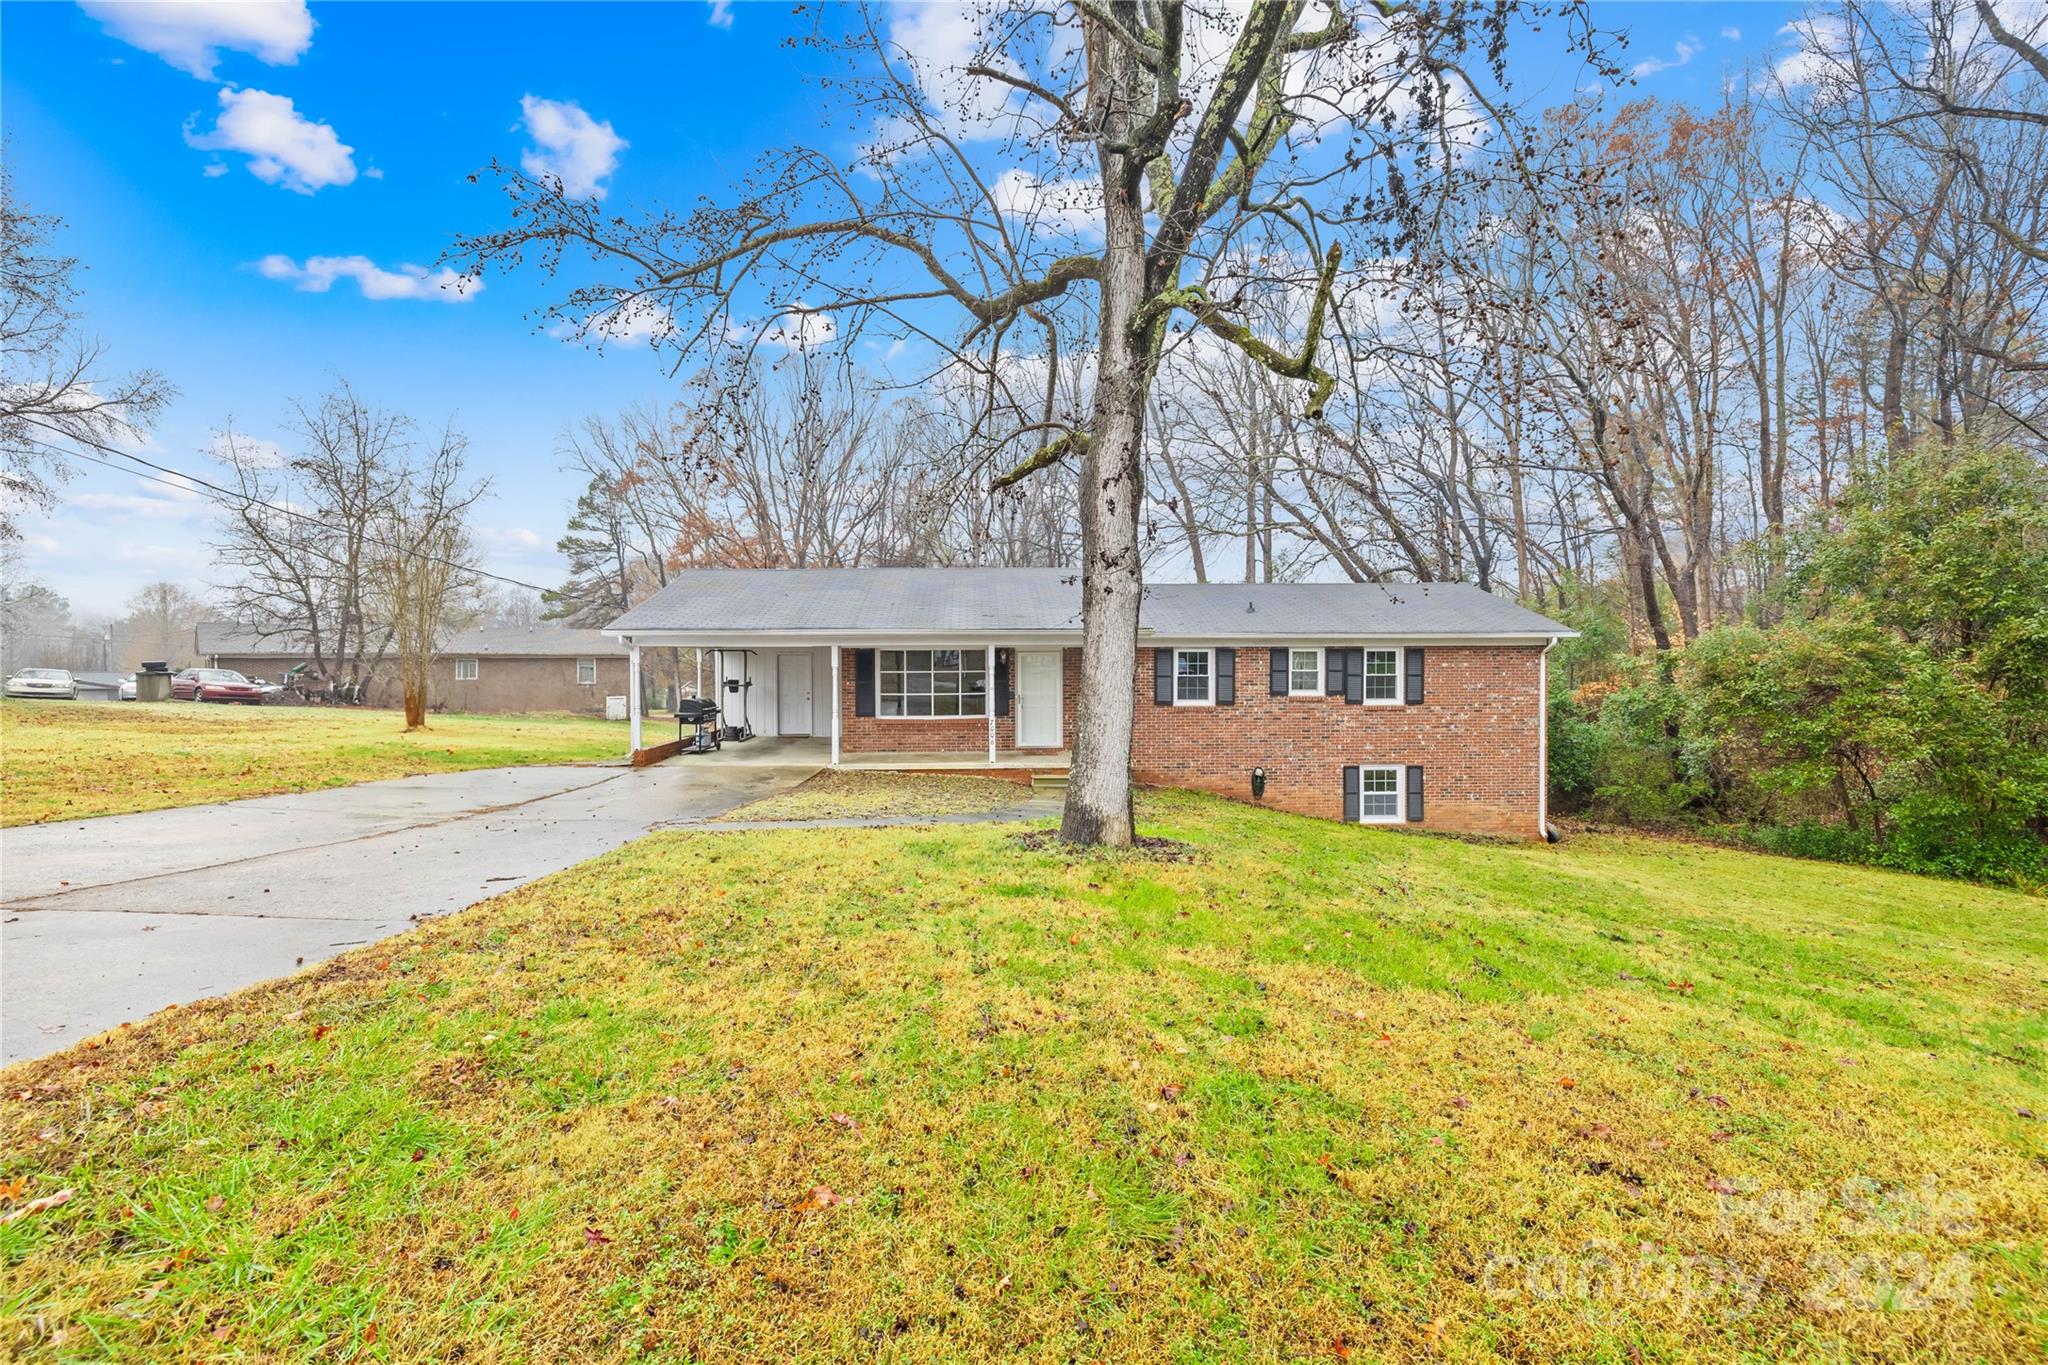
x,y
633,691
835,706
988,699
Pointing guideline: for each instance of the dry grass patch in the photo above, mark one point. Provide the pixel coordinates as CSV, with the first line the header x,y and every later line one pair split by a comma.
x,y
1307,1092
62,761
843,795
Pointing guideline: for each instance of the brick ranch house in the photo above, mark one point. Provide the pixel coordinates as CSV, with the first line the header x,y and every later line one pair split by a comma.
x,y
496,669
1406,704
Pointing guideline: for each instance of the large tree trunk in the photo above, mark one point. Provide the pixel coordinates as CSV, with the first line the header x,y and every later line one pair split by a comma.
x,y
1098,809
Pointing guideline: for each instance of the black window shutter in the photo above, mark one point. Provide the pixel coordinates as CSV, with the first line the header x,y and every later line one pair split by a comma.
x,y
1002,682
1278,676
1333,672
1351,792
1162,677
1414,657
1354,677
863,682
1414,793
1226,677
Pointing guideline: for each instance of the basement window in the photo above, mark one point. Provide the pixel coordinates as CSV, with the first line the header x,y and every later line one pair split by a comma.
x,y
1379,795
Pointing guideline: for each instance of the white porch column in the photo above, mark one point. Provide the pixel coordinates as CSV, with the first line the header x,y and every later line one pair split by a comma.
x,y
836,702
633,692
988,694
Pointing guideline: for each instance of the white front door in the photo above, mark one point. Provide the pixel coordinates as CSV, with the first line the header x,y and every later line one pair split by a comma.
x,y
1041,701
793,694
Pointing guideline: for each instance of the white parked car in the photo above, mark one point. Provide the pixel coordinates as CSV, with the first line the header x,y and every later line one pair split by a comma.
x,y
128,688
42,682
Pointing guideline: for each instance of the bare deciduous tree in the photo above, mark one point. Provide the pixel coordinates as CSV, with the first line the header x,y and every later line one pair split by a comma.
x,y
55,398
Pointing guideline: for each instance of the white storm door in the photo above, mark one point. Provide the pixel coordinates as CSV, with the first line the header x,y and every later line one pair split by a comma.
x,y
793,694
1041,702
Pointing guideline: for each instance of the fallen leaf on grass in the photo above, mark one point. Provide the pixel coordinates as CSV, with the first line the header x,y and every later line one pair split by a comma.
x,y
43,1205
1566,1083
592,1237
846,1121
820,1198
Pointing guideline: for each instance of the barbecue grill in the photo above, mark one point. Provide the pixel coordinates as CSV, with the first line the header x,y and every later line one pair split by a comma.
x,y
702,718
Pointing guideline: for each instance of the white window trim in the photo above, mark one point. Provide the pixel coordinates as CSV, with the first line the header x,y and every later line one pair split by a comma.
x,y
1400,653
461,664
988,686
1208,654
590,681
1322,663
1400,772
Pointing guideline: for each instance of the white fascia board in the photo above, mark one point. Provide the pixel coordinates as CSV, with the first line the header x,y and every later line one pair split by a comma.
x,y
690,639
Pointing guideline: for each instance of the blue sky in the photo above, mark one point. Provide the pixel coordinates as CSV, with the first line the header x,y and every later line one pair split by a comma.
x,y
208,212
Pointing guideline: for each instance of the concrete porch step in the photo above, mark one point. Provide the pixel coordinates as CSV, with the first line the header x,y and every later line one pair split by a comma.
x,y
1048,783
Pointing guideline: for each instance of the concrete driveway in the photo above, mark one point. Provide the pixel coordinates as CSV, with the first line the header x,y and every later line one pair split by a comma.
x,y
108,920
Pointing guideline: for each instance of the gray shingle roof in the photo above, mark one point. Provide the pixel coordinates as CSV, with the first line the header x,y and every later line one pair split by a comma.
x,y
938,601
517,642
506,642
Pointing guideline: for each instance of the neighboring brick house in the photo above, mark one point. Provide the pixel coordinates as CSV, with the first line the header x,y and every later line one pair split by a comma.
x,y
1401,704
513,668
496,669
230,645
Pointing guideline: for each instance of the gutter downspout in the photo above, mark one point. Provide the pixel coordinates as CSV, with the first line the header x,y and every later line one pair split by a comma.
x,y
988,693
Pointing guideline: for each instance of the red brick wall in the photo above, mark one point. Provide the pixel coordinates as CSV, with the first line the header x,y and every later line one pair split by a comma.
x,y
1475,735
931,734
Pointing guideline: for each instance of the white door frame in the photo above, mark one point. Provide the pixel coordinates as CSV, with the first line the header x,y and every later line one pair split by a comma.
x,y
1058,701
785,703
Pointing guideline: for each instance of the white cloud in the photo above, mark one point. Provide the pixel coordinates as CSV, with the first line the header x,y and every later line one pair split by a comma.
x,y
629,319
214,169
1681,53
1070,207
1819,39
797,328
573,147
509,537
1732,34
191,34
319,273
241,448
721,14
283,146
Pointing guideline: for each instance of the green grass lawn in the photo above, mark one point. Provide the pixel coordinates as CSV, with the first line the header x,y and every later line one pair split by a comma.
x,y
63,760
1289,1090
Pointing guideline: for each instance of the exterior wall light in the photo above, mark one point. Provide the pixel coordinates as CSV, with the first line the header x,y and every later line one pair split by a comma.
x,y
1258,783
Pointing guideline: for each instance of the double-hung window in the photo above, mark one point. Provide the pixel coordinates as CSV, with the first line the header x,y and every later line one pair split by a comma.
x,y
465,670
586,672
1379,795
1304,672
1383,675
931,682
1193,680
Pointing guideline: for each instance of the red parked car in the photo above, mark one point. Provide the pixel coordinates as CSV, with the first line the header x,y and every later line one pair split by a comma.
x,y
215,684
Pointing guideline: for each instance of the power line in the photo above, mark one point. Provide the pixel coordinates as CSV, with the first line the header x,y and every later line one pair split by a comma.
x,y
287,512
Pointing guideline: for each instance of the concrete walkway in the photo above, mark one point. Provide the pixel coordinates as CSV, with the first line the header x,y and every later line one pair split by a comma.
x,y
108,920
